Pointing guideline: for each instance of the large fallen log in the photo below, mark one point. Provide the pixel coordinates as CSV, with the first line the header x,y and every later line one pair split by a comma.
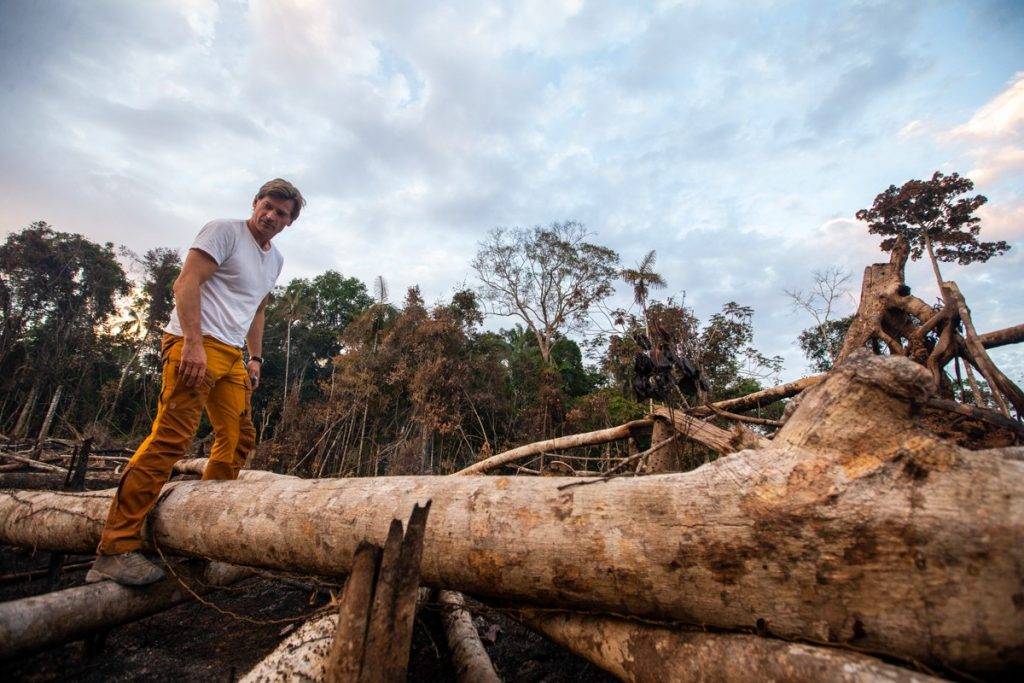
x,y
561,443
854,526
52,619
645,653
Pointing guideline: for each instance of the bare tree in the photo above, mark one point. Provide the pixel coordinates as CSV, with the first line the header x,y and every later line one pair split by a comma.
x,y
830,289
547,277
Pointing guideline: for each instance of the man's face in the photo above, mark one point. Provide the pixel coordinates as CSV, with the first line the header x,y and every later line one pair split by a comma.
x,y
270,216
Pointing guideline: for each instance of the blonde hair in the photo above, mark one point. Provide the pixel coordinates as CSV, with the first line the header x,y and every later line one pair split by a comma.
x,y
279,188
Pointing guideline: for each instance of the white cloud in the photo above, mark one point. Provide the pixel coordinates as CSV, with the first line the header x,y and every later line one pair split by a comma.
x,y
694,128
1002,118
995,135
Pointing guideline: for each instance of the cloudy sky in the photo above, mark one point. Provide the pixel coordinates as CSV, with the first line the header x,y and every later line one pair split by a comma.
x,y
737,139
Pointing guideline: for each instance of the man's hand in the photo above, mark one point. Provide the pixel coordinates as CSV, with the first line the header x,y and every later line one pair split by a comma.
x,y
254,367
192,368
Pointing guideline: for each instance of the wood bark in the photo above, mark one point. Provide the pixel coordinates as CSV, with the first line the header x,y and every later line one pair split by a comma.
x,y
645,653
855,526
722,441
48,620
345,659
1003,337
561,443
471,661
668,458
302,656
44,431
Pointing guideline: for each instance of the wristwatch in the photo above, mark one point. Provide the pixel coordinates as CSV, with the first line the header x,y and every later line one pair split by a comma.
x,y
258,359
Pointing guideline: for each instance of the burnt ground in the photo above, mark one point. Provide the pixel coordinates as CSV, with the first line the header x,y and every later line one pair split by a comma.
x,y
193,642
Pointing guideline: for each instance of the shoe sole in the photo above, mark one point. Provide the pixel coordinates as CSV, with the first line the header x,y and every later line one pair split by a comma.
x,y
95,576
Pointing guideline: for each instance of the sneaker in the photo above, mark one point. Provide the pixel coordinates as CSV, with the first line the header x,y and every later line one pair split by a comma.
x,y
127,569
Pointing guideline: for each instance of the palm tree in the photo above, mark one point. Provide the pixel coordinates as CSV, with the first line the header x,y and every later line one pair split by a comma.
x,y
643,279
380,295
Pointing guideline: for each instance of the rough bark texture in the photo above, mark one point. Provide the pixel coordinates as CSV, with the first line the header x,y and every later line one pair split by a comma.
x,y
643,653
855,526
720,440
668,458
470,659
302,656
1008,335
52,619
346,656
558,444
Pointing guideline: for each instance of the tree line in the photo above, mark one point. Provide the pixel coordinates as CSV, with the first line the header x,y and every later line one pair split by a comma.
x,y
358,383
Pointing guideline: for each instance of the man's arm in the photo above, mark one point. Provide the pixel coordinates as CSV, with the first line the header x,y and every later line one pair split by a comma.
x,y
199,267
254,340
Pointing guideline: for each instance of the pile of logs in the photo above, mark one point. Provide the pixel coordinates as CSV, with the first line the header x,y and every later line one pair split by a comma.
x,y
851,545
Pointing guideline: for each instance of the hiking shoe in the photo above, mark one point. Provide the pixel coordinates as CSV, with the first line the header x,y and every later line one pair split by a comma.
x,y
127,569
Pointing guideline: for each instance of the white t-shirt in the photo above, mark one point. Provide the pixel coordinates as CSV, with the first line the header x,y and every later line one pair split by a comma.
x,y
246,273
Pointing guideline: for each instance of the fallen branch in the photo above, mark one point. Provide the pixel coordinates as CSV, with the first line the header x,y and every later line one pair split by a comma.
x,y
37,573
558,444
48,620
33,463
978,413
1003,337
760,399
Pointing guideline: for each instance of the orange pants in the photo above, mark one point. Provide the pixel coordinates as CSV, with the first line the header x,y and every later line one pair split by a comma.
x,y
225,393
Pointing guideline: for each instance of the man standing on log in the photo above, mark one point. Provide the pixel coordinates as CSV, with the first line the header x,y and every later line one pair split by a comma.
x,y
219,301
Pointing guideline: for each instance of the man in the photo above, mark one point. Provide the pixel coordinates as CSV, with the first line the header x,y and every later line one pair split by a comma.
x,y
219,302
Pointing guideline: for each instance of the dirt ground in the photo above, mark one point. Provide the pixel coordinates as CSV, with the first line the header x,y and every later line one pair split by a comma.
x,y
193,642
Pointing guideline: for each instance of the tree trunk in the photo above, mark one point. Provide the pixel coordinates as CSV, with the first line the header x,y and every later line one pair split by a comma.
x,y
48,620
44,431
668,458
52,480
645,653
21,426
471,661
1003,337
302,656
854,526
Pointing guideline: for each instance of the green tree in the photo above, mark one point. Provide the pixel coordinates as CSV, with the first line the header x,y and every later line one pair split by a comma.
x,y
546,277
821,343
57,290
933,217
